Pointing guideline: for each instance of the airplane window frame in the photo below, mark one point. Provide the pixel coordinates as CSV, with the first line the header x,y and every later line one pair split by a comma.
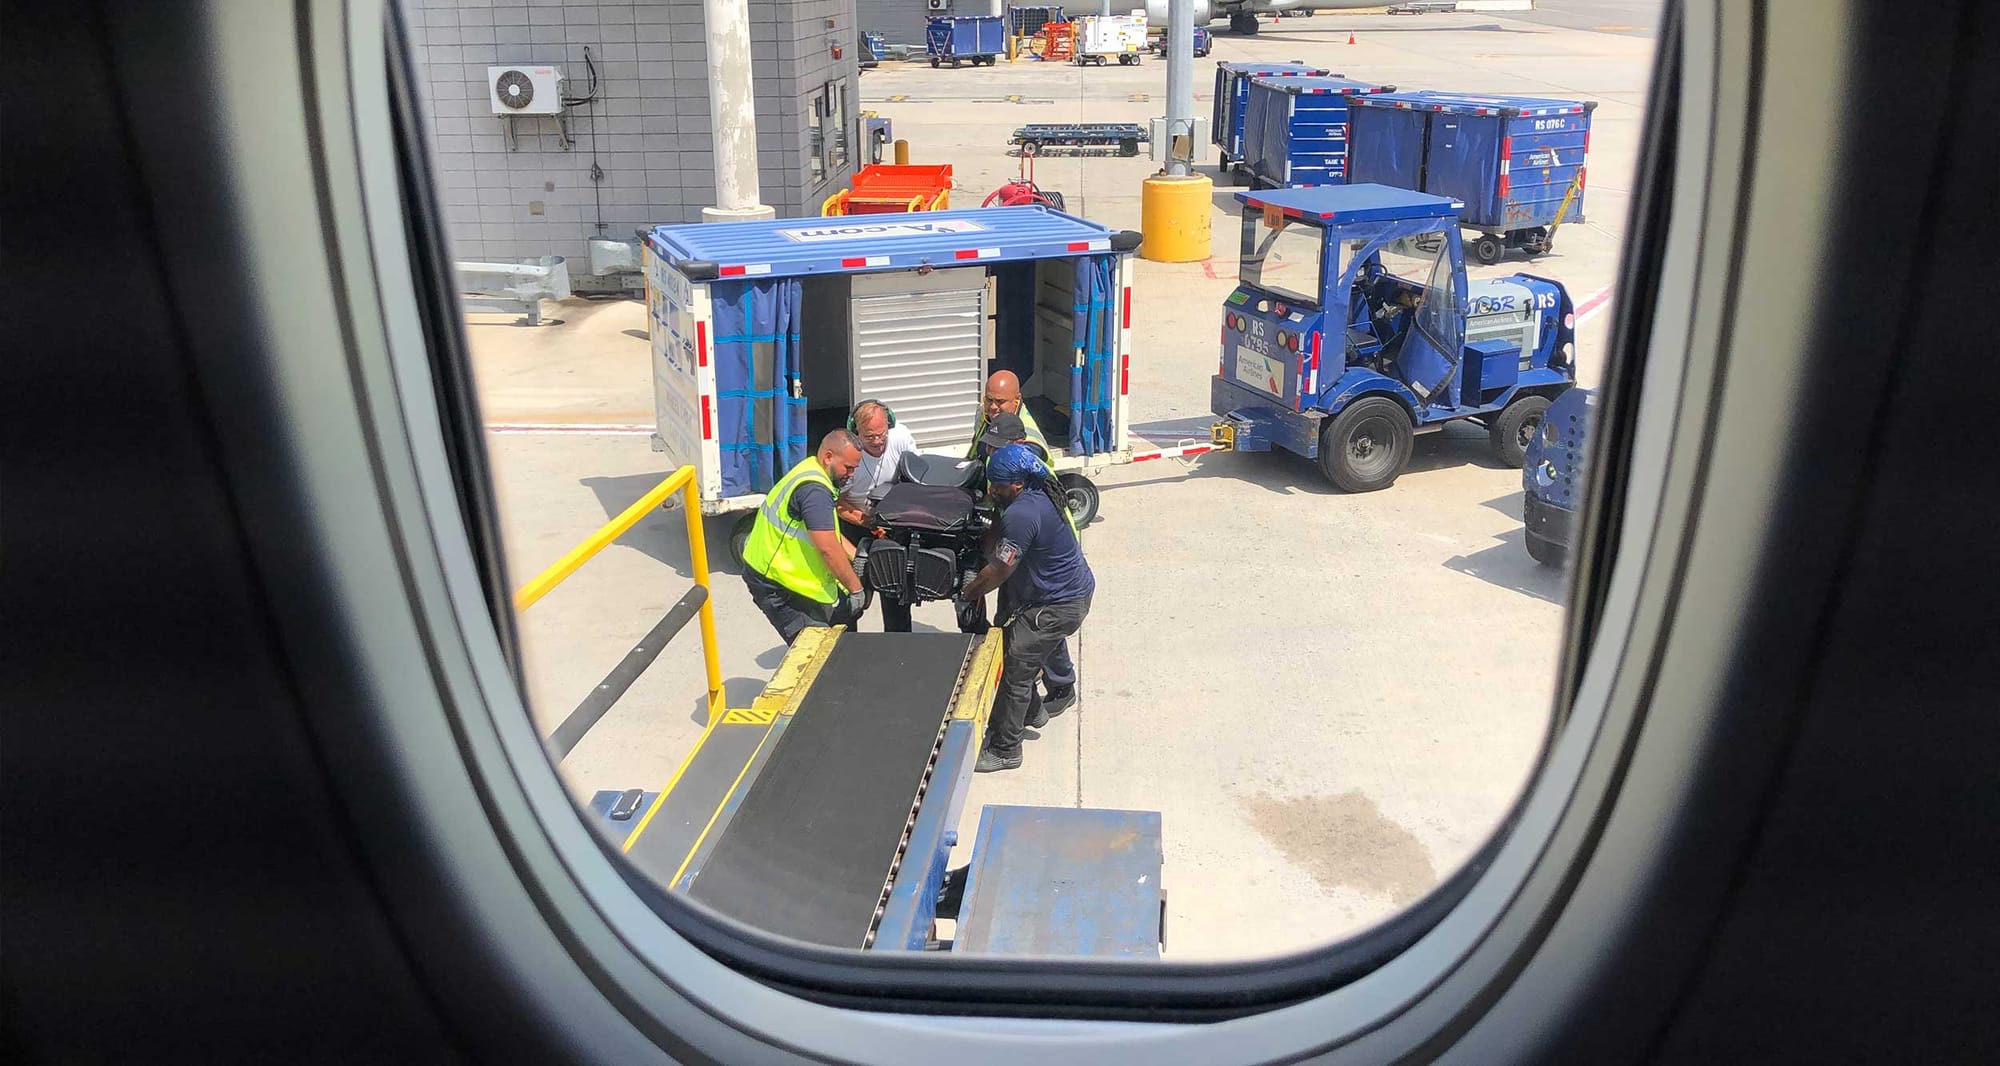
x,y
664,976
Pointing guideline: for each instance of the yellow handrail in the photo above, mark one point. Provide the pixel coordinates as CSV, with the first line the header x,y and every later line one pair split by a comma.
x,y
834,205
681,481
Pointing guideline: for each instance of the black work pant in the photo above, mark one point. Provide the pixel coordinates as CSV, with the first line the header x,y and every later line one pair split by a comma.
x,y
788,612
1034,636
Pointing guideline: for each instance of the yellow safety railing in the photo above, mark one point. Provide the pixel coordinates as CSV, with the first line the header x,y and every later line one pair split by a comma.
x,y
683,482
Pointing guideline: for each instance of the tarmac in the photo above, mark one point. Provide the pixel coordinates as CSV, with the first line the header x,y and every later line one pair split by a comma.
x,y
1332,699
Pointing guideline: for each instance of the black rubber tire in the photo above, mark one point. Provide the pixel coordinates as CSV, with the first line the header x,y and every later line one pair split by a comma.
x,y
739,537
1488,249
1242,24
1514,427
1366,446
934,62
1128,148
1031,148
1054,200
1082,497
1546,551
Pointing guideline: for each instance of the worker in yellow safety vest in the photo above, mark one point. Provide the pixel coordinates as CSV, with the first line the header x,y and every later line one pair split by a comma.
x,y
1003,396
796,564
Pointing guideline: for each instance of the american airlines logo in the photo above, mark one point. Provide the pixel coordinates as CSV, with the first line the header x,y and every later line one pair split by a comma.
x,y
880,229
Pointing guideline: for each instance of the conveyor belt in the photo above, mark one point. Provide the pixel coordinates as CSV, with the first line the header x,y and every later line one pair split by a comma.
x,y
808,852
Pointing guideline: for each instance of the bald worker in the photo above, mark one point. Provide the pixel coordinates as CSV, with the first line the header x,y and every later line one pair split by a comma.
x,y
1003,396
795,563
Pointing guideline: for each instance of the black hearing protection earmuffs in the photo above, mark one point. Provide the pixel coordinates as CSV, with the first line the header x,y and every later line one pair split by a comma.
x,y
852,428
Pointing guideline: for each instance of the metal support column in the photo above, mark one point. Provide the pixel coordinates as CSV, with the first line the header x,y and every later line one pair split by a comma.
x,y
732,113
1180,86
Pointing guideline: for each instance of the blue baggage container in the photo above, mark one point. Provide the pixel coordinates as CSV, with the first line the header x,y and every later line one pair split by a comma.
x,y
1232,88
956,39
1028,21
1295,129
1512,160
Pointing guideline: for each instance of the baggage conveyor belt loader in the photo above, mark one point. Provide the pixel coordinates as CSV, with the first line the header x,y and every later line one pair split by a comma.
x,y
827,811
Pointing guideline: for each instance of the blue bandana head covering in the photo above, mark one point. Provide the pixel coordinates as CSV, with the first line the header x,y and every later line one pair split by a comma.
x,y
1015,463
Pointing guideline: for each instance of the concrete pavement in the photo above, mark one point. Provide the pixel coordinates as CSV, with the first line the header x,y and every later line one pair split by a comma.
x,y
1331,699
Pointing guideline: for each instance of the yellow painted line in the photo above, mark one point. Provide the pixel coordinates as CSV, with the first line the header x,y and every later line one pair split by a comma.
x,y
975,700
661,799
695,848
781,696
800,668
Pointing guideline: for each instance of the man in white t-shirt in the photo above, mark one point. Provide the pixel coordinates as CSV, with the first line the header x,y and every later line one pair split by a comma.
x,y
883,446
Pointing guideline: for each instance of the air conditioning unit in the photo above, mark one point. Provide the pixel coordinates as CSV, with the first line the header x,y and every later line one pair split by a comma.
x,y
525,90
938,5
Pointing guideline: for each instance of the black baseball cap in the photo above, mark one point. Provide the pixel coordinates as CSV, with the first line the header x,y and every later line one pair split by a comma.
x,y
1006,428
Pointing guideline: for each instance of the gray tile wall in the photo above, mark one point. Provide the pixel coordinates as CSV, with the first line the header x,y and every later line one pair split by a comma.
x,y
649,125
903,21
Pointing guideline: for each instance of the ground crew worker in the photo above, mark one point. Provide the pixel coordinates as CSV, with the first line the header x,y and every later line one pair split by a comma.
x,y
1003,396
795,563
1003,429
883,446
1039,558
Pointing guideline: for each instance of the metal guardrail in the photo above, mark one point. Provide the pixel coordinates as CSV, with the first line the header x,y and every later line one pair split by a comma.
x,y
695,603
518,287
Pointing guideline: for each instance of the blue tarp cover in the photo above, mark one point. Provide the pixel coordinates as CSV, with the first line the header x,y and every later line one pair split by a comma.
x,y
1093,385
760,408
1388,147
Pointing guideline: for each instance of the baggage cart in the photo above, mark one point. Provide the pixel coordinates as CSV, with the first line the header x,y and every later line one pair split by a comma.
x,y
1295,130
957,39
1037,137
1232,89
1517,162
1028,21
765,334
885,188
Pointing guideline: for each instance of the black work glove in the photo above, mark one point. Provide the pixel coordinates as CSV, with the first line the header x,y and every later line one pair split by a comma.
x,y
857,603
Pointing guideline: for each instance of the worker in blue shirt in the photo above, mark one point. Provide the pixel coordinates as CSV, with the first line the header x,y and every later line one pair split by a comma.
x,y
1038,557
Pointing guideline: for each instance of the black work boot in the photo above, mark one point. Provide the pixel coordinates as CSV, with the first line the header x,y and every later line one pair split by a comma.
x,y
990,760
1055,703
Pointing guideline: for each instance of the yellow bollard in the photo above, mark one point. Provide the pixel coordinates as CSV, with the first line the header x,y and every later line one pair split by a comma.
x,y
902,153
1174,218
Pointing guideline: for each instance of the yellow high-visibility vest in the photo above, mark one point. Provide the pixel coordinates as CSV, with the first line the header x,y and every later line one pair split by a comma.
x,y
780,546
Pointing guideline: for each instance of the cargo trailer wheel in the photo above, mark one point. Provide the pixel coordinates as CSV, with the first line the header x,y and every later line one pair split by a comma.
x,y
739,537
1545,551
1367,445
1488,249
1128,147
934,62
1081,497
1515,427
1031,148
